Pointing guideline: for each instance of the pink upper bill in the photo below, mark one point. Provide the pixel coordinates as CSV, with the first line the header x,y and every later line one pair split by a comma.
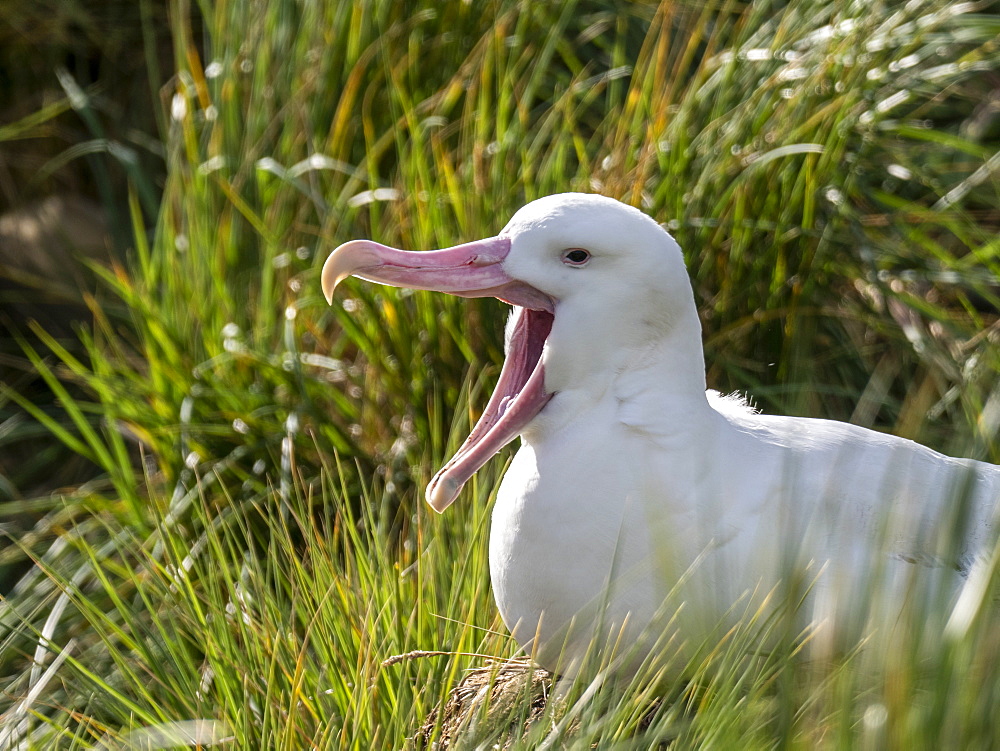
x,y
474,269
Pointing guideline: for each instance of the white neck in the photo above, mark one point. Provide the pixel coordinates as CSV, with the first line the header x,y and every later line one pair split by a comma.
x,y
660,376
673,366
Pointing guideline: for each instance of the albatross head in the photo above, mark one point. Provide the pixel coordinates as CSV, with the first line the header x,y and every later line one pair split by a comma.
x,y
593,282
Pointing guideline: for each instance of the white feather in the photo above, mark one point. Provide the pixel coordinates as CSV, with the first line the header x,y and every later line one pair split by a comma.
x,y
638,501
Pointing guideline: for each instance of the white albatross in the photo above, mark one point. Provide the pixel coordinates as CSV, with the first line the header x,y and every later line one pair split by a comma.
x,y
639,501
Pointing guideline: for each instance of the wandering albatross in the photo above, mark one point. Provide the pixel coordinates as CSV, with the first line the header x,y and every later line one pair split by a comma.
x,y
638,500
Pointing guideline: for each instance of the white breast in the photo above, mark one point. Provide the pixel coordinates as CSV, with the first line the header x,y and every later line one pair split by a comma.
x,y
608,528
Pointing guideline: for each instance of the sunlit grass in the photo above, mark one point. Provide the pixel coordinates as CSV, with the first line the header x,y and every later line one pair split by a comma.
x,y
271,621
287,623
254,545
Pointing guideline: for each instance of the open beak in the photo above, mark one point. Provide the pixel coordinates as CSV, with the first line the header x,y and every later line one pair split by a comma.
x,y
474,269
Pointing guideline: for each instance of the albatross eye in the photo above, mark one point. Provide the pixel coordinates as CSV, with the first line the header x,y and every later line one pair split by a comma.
x,y
575,257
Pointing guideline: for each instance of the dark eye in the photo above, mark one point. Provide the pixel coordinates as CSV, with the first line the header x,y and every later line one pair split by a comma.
x,y
575,257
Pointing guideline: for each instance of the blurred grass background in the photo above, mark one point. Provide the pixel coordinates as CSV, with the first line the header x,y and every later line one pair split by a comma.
x,y
211,481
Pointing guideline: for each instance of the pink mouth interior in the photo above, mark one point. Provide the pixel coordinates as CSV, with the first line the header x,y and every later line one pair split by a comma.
x,y
473,269
519,396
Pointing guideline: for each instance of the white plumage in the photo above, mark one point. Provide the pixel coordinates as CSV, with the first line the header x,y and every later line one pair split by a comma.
x,y
640,502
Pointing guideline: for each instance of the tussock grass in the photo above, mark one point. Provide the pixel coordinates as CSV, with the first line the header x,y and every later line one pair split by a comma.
x,y
268,626
253,546
286,625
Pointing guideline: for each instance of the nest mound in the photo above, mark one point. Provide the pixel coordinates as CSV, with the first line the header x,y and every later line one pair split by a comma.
x,y
498,704
497,700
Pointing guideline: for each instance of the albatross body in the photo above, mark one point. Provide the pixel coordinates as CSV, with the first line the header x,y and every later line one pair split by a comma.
x,y
639,503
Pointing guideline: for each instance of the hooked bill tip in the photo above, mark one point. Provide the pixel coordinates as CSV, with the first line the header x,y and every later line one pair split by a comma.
x,y
332,275
344,261
330,279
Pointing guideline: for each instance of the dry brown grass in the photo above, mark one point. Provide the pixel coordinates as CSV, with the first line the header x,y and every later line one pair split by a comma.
x,y
498,704
512,693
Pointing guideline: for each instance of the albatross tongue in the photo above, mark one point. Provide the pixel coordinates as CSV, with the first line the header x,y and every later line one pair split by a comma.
x,y
471,270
